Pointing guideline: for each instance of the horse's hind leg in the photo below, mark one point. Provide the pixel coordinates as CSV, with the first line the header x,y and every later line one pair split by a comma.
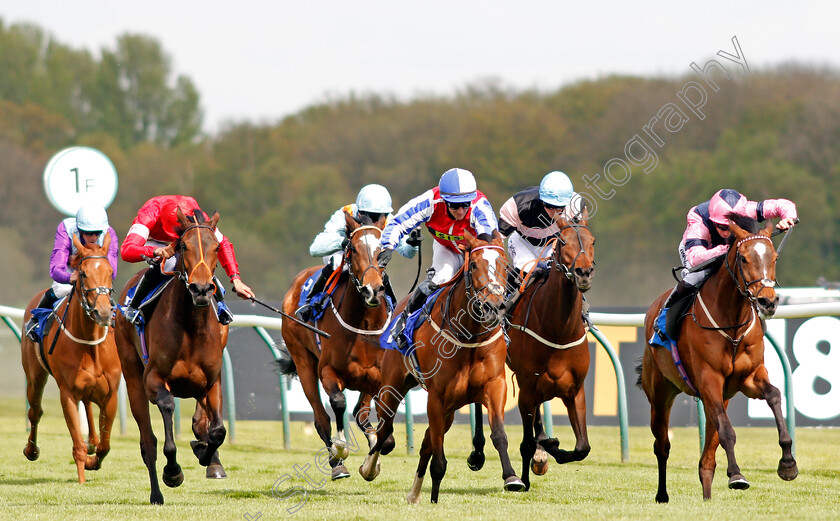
x,y
436,431
71,415
215,470
660,393
495,392
759,386
528,446
36,379
361,414
539,461
107,413
475,461
423,464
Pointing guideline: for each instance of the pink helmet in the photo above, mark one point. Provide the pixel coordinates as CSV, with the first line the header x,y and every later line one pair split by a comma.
x,y
724,202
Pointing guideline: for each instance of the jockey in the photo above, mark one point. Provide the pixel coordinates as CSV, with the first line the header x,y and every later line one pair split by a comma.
x,y
90,224
527,220
448,209
373,201
152,230
707,233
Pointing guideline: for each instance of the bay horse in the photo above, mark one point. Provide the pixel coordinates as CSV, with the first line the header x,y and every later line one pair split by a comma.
x,y
460,351
549,352
80,353
351,358
720,347
185,346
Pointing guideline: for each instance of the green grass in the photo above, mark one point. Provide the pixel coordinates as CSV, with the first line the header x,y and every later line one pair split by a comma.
x,y
600,487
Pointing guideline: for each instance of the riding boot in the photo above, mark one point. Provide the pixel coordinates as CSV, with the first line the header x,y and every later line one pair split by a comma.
x,y
514,281
681,290
223,312
48,299
389,289
306,311
415,302
148,282
584,311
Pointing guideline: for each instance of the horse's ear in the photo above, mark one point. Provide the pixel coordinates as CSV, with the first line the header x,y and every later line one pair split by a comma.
x,y
497,238
106,242
737,231
383,220
77,243
214,219
351,222
767,231
182,219
559,220
583,216
470,239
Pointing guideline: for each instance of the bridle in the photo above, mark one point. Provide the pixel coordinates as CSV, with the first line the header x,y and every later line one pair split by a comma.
x,y
187,278
358,282
568,271
745,290
98,290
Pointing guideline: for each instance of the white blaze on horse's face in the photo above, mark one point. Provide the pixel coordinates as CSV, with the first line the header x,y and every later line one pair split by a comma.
x,y
496,284
763,253
371,242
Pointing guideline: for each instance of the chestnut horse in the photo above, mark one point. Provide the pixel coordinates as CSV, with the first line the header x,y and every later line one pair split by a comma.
x,y
351,358
548,350
80,353
185,345
721,348
460,351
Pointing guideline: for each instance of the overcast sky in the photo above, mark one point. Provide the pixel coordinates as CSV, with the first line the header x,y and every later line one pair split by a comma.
x,y
262,60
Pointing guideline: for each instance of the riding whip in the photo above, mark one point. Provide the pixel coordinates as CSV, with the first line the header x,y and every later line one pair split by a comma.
x,y
304,324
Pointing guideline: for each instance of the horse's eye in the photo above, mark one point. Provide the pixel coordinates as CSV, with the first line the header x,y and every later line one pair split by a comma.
x,y
473,265
743,260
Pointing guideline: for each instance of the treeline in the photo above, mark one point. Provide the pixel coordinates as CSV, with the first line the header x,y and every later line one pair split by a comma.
x,y
771,133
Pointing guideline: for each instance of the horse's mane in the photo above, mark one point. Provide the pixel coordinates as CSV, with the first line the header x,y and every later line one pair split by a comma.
x,y
746,223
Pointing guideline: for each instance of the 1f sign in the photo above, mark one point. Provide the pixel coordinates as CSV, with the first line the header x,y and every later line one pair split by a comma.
x,y
79,174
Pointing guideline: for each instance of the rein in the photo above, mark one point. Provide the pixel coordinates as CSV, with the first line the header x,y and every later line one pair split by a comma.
x,y
182,274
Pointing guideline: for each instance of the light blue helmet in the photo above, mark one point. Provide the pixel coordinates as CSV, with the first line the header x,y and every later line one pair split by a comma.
x,y
374,199
556,189
91,218
457,186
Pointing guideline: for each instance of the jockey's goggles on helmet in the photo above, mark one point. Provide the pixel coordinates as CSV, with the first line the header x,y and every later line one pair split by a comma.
x,y
458,206
552,207
374,217
95,232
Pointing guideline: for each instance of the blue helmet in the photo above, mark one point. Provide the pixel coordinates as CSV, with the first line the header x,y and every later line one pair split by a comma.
x,y
91,218
374,199
457,186
556,189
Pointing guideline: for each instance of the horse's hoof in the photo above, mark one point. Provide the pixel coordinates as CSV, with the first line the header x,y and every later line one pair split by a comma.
x,y
475,461
738,482
787,472
339,472
91,449
33,454
93,463
373,474
215,471
539,463
339,450
514,484
173,481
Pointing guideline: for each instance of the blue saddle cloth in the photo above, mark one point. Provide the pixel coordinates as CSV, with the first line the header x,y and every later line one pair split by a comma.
x,y
318,300
414,321
659,330
40,315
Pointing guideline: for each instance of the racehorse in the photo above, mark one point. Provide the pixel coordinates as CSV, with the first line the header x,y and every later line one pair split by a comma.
x,y
185,345
79,352
548,350
460,356
351,358
719,351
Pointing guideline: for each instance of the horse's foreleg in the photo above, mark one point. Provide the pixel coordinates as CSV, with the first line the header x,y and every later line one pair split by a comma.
x,y
528,447
475,461
216,432
107,413
387,403
423,464
759,386
707,459
93,438
716,412
200,428
338,445
71,415
495,393
36,379
437,429
576,406
172,474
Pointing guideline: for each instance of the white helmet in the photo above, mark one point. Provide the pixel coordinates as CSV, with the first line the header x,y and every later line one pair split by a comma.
x,y
556,189
374,199
91,218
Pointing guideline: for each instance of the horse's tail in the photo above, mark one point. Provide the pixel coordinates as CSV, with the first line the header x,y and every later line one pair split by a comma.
x,y
639,372
284,362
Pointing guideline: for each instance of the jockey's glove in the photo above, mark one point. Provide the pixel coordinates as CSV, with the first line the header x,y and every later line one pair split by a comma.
x,y
384,258
415,238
